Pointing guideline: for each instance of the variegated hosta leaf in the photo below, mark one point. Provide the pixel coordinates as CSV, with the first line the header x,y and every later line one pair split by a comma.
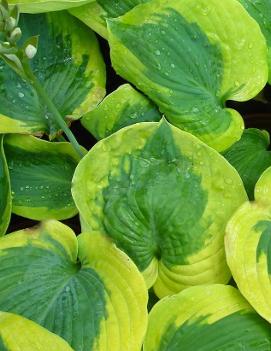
x,y
189,57
94,14
250,156
81,288
41,173
164,198
37,6
248,247
69,66
260,10
206,318
5,192
18,333
123,107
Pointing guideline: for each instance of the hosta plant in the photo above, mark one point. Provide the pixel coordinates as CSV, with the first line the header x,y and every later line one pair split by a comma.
x,y
164,198
152,179
81,288
18,333
247,247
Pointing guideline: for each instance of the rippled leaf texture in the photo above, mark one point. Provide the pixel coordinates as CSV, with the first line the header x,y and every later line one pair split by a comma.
x,y
94,14
123,107
37,6
190,57
205,318
250,156
5,192
41,173
80,288
164,198
18,333
260,10
248,247
70,68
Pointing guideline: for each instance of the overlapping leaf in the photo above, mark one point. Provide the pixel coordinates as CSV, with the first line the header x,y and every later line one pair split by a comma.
x,y
37,6
250,156
190,57
248,247
94,14
18,333
69,66
164,198
260,10
81,288
5,192
206,318
123,107
41,173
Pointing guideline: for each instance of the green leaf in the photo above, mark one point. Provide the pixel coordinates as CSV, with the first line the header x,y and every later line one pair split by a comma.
x,y
190,57
116,8
164,198
206,318
94,14
41,173
80,288
37,6
69,66
123,107
248,251
250,156
18,333
5,192
260,10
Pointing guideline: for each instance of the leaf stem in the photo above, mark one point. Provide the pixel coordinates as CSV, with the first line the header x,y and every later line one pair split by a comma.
x,y
51,106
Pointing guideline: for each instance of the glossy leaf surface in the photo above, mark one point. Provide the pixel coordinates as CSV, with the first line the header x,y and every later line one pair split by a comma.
x,y
18,333
164,198
205,318
41,173
250,156
123,107
190,57
69,66
248,247
81,288
260,10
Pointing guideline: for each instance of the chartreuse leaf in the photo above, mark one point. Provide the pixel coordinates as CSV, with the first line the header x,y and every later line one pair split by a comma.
x,y
164,198
94,14
250,156
190,57
37,6
260,10
18,333
41,173
206,318
69,66
80,288
5,192
248,247
123,107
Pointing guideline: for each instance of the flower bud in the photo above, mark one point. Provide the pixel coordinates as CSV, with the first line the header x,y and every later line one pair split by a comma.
x,y
10,24
15,35
30,51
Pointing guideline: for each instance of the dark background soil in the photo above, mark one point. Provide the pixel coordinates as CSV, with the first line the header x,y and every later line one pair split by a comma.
x,y
255,113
